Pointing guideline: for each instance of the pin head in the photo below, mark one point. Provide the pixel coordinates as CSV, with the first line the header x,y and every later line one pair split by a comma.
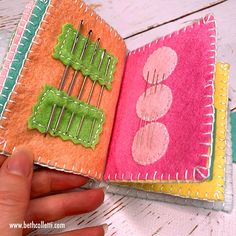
x,y
97,43
90,33
80,26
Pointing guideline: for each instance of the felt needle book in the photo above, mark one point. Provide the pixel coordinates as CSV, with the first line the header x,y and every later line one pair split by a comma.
x,y
151,122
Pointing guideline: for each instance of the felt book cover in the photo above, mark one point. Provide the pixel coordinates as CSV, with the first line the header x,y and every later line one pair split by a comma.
x,y
154,118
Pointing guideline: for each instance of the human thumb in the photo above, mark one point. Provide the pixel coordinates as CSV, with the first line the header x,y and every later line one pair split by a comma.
x,y
15,184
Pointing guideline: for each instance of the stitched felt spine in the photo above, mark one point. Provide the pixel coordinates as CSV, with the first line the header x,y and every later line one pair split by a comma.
x,y
28,38
9,57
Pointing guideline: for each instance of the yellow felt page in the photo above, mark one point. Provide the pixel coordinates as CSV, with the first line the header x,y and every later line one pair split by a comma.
x,y
211,189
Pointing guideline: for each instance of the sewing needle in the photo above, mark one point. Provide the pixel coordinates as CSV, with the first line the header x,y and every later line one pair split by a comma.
x,y
99,99
73,79
62,83
83,84
90,95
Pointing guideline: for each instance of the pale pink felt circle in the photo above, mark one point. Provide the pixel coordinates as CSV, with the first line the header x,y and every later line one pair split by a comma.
x,y
164,61
150,143
154,103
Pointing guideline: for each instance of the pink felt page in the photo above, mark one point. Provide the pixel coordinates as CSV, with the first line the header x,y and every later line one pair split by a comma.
x,y
177,114
15,42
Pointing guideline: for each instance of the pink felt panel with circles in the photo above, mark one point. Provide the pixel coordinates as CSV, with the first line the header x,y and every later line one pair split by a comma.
x,y
188,119
15,42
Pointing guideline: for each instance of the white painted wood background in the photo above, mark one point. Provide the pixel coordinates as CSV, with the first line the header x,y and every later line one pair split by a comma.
x,y
140,22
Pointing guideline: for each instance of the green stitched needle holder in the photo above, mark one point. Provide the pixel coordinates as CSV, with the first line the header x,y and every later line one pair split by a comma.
x,y
91,114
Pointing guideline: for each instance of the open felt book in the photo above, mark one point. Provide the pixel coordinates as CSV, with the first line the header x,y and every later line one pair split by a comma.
x,y
153,119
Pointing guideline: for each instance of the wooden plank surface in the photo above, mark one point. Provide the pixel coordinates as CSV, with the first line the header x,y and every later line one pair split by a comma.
x,y
128,17
134,16
125,215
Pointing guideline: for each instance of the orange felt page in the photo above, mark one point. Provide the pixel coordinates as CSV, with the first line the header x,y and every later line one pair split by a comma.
x,y
40,69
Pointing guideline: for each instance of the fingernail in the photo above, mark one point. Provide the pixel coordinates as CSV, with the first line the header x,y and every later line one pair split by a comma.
x,y
104,189
20,163
105,228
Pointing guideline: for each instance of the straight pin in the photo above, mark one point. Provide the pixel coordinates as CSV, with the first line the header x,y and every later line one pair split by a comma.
x,y
144,96
90,95
145,122
145,92
99,100
153,79
141,121
73,80
151,137
156,84
83,84
62,83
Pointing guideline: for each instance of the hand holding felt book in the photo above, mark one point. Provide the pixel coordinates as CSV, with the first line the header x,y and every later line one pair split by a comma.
x,y
156,117
23,191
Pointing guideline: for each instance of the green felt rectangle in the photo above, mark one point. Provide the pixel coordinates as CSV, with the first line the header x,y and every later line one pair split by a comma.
x,y
91,114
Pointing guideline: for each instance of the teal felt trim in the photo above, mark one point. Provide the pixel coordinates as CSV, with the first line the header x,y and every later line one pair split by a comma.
x,y
32,27
233,127
91,114
62,52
